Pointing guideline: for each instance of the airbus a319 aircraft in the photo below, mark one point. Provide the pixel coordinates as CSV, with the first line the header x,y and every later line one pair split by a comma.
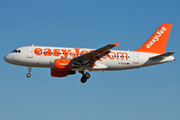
x,y
64,61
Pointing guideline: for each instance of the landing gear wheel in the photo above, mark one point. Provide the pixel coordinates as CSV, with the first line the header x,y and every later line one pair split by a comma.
x,y
83,79
87,75
28,75
84,76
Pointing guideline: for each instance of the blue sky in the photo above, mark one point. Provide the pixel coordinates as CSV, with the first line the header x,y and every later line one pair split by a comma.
x,y
139,94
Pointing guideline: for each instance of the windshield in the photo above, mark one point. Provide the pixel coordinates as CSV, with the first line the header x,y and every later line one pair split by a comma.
x,y
16,51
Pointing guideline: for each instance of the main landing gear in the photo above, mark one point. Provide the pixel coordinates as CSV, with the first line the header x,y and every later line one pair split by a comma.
x,y
28,75
84,76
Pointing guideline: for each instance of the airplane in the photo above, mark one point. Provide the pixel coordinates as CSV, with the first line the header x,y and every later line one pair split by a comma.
x,y
64,61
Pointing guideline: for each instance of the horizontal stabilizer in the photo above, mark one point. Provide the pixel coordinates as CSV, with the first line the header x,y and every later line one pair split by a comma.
x,y
162,55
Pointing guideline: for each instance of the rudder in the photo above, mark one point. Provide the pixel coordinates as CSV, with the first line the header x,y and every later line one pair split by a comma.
x,y
158,41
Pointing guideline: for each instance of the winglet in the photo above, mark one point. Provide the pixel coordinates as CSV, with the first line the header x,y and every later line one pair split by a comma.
x,y
117,44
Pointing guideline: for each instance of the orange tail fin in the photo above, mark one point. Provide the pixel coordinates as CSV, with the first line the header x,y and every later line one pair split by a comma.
x,y
158,41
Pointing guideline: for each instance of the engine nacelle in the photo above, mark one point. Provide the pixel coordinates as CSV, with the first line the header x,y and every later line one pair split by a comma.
x,y
56,73
63,65
63,68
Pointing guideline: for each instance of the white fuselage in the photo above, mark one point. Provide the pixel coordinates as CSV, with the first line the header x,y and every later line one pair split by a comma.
x,y
39,56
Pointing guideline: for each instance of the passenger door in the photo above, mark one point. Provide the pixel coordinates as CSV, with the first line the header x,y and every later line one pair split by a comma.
x,y
30,52
136,58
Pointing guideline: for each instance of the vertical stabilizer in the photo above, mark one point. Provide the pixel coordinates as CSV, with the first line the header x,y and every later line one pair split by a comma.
x,y
158,41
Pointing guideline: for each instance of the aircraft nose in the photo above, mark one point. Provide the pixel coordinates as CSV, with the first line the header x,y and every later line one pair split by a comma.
x,y
7,58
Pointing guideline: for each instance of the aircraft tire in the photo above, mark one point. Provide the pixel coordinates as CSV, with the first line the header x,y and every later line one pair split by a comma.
x,y
83,79
87,75
28,75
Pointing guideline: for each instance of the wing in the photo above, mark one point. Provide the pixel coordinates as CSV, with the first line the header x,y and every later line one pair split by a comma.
x,y
91,57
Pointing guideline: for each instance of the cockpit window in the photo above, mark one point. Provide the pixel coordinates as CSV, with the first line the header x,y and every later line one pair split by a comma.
x,y
16,51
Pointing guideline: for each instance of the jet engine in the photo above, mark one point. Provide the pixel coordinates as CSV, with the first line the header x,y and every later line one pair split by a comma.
x,y
65,65
56,73
63,68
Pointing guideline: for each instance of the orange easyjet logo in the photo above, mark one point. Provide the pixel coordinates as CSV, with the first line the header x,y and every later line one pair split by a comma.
x,y
156,37
63,53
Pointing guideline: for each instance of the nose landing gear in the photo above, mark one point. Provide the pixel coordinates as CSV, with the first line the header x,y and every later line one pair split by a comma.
x,y
28,75
84,76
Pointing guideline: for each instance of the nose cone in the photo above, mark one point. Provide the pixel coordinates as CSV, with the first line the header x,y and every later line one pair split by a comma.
x,y
7,58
